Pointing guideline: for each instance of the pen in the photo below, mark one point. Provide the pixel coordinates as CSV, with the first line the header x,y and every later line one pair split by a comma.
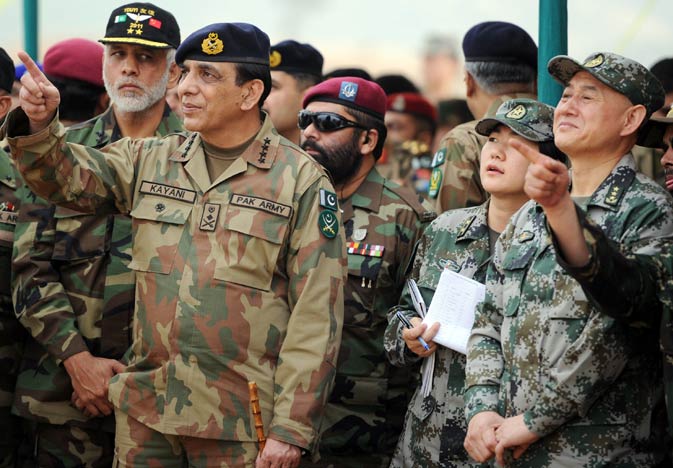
x,y
408,324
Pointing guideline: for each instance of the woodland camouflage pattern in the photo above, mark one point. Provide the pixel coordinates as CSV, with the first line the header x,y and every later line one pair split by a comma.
x,y
455,181
365,410
72,288
434,426
541,345
12,334
235,281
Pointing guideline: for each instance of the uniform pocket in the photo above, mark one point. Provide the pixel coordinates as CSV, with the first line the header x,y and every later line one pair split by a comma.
x,y
515,264
159,224
252,241
80,235
363,271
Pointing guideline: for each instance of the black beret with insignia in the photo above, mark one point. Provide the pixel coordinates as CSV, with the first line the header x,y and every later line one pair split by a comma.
x,y
226,42
143,24
294,57
498,41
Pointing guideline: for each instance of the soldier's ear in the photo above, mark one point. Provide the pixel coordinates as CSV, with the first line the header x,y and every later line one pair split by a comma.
x,y
470,85
251,94
633,118
5,105
173,75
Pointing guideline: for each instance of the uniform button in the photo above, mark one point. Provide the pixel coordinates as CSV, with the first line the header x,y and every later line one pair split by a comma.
x,y
159,207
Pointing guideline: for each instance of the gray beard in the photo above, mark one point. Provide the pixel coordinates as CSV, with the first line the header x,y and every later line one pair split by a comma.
x,y
151,94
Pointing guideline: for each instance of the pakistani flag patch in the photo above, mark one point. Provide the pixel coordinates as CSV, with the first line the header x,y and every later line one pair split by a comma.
x,y
120,19
328,200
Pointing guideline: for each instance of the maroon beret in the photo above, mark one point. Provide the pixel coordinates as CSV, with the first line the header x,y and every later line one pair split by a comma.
x,y
349,91
412,103
75,59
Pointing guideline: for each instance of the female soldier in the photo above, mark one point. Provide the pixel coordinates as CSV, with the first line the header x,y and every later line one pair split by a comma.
x,y
461,240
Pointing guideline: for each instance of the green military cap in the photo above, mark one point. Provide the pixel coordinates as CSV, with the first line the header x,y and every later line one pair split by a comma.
x,y
531,119
622,74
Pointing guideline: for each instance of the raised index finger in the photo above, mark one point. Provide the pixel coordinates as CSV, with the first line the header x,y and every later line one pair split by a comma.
x,y
529,153
31,67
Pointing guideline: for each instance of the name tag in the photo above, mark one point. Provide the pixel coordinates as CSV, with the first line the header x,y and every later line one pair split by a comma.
x,y
167,191
8,217
261,204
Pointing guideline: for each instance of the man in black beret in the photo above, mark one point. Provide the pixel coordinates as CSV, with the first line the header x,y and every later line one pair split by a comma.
x,y
238,258
295,67
500,64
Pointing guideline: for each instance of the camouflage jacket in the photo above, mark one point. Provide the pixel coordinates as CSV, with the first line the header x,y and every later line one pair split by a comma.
x,y
12,334
72,287
382,223
434,426
455,180
238,280
543,347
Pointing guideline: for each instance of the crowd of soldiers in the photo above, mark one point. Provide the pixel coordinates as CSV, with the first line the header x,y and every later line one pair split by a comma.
x,y
182,221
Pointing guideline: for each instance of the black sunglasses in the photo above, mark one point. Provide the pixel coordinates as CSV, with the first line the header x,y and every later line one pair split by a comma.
x,y
325,121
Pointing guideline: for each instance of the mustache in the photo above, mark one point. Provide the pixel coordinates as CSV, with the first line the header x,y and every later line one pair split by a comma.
x,y
129,81
310,144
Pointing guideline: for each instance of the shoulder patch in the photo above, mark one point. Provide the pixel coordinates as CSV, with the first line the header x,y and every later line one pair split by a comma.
x,y
465,225
328,200
435,182
439,158
615,193
327,223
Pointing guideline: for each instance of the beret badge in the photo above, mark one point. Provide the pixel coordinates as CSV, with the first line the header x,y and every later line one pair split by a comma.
x,y
275,59
212,45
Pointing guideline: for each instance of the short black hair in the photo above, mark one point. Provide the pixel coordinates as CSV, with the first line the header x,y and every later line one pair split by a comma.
x,y
78,99
550,149
663,70
304,80
251,71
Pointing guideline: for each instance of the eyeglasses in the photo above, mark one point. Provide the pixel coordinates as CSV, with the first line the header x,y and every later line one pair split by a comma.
x,y
325,121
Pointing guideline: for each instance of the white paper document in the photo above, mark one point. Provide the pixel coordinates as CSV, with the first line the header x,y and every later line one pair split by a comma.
x,y
453,306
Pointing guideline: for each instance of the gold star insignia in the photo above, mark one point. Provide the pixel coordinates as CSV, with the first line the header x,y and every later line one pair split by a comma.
x,y
129,31
139,32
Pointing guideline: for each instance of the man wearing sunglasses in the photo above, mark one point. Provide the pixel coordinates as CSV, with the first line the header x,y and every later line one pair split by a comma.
x,y
343,129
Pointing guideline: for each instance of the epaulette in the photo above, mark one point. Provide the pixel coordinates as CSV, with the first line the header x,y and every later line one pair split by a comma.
x,y
412,199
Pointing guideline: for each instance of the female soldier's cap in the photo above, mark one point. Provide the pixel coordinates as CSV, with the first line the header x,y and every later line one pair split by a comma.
x,y
226,42
531,119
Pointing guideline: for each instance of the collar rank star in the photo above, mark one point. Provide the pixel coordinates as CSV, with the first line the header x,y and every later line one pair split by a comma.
x,y
209,217
327,222
264,150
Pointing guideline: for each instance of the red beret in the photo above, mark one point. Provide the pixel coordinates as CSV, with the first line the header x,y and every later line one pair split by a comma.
x,y
75,59
349,91
412,103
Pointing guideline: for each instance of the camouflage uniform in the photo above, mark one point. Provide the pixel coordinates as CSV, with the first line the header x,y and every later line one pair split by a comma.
x,y
541,345
12,334
74,292
455,181
237,280
434,426
364,415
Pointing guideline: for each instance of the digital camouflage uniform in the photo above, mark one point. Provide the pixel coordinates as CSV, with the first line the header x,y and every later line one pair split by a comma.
x,y
238,280
541,345
74,292
434,426
365,412
12,334
455,181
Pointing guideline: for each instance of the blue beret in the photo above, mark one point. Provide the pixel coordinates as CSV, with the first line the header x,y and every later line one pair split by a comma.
x,y
226,42
294,57
497,41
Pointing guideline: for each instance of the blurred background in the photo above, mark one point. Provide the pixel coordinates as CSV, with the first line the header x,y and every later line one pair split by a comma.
x,y
420,38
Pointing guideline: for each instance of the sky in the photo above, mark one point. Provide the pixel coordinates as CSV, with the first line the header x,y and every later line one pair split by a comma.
x,y
384,36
